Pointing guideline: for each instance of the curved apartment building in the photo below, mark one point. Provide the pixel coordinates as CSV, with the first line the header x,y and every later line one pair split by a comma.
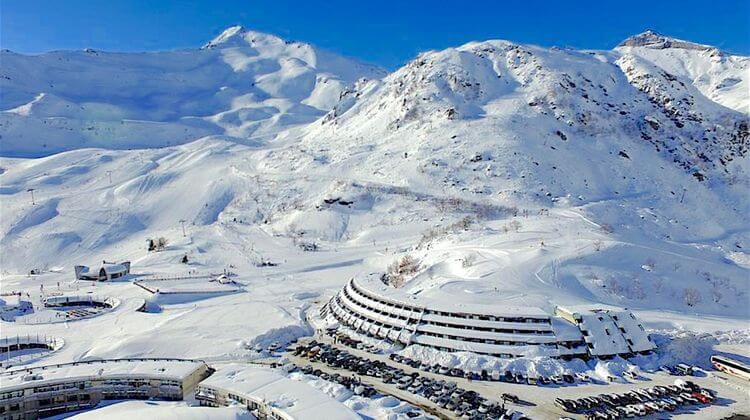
x,y
388,313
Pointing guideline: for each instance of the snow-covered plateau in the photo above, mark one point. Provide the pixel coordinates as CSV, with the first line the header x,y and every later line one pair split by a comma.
x,y
504,174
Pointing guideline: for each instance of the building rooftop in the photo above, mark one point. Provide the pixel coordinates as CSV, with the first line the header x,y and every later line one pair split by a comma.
x,y
295,398
165,368
374,285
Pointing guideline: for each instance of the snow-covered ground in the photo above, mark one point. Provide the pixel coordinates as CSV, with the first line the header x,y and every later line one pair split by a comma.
x,y
512,174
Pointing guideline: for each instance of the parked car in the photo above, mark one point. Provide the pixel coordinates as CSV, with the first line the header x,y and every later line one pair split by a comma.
x,y
510,397
684,369
582,377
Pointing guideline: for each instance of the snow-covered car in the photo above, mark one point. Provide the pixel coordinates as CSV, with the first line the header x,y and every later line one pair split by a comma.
x,y
582,377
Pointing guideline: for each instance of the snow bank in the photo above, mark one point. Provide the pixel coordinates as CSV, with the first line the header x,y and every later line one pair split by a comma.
x,y
284,336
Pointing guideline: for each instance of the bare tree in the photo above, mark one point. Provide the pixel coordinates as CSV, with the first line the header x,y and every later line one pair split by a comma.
x,y
398,270
468,260
691,296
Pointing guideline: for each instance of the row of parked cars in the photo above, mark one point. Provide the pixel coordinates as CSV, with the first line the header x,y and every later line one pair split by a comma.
x,y
638,402
351,382
485,375
447,395
678,370
344,339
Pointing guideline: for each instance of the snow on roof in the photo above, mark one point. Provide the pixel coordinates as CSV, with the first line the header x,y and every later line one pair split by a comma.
x,y
162,368
602,334
54,300
565,331
295,398
10,300
163,410
632,330
108,267
374,285
188,286
114,268
611,330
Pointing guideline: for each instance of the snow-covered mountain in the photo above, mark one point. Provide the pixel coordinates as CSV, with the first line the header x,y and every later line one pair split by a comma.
x,y
719,76
651,153
243,84
544,95
564,176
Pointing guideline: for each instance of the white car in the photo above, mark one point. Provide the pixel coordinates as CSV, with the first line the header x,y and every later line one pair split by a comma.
x,y
582,377
653,406
630,375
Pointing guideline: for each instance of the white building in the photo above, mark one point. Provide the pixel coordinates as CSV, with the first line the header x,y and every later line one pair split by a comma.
x,y
13,305
45,391
372,308
609,330
502,331
269,395
107,271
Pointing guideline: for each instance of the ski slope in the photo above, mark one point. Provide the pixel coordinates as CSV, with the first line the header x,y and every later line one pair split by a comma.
x,y
513,174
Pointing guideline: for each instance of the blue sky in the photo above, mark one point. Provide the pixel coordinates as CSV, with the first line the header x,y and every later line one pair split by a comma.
x,y
388,33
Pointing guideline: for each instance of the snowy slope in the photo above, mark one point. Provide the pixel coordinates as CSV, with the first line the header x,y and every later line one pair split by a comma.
x,y
242,84
645,158
720,76
512,173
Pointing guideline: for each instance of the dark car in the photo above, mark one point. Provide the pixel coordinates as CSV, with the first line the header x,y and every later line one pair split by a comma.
x,y
510,397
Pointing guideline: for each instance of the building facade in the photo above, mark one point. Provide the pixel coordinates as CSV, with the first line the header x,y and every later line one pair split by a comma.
x,y
107,271
266,394
55,389
506,332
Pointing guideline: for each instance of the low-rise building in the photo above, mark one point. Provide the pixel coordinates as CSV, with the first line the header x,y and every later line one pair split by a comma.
x,y
268,394
107,271
13,305
45,391
608,330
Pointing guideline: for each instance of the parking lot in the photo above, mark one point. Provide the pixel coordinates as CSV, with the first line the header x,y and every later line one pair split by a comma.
x,y
645,396
336,364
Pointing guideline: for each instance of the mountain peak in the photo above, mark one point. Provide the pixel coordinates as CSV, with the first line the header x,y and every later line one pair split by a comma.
x,y
229,33
238,35
654,40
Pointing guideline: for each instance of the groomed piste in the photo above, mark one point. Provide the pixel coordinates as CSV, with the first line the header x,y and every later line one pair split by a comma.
x,y
381,311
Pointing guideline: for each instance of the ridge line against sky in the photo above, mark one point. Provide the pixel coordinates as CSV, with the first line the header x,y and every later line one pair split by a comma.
x,y
388,34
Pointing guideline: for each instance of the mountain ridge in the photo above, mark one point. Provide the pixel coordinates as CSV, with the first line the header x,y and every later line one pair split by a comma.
x,y
156,99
